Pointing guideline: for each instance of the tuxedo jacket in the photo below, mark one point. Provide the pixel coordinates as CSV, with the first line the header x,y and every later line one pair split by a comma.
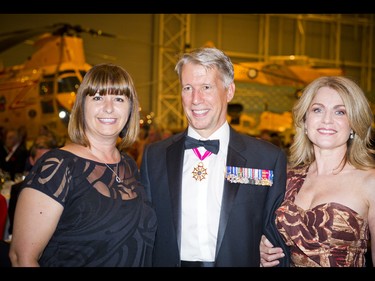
x,y
17,161
247,210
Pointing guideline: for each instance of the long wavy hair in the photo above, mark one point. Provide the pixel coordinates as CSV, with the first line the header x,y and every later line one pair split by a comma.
x,y
359,152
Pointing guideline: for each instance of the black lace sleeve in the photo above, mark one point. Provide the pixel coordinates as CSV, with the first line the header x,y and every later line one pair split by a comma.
x,y
52,175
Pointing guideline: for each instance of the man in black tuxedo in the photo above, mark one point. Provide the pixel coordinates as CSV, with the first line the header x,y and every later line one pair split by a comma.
x,y
13,153
213,201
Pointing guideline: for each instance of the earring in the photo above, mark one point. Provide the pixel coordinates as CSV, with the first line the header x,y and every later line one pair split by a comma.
x,y
351,136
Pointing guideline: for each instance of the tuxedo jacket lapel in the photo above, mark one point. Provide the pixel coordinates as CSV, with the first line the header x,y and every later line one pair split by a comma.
x,y
234,158
175,159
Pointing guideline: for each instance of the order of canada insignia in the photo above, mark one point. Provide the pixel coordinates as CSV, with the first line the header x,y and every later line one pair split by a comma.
x,y
199,172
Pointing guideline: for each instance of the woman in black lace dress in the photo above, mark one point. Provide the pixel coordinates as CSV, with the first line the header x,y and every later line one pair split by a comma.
x,y
82,205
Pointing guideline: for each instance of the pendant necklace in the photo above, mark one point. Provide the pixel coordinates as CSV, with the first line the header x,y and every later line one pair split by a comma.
x,y
200,172
118,179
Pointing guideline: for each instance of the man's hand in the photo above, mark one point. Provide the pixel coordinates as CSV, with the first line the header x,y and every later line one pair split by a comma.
x,y
269,254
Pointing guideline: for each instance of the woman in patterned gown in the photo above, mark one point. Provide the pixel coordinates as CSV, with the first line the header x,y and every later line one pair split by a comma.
x,y
328,213
82,205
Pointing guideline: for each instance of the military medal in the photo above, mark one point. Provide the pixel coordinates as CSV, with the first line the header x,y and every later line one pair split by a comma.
x,y
252,176
200,172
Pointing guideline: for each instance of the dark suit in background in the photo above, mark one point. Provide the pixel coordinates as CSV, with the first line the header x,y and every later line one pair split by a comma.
x,y
13,154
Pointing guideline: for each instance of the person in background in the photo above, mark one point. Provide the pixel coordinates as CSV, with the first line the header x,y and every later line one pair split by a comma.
x,y
82,205
214,203
22,132
13,154
41,145
3,214
328,215
4,245
154,134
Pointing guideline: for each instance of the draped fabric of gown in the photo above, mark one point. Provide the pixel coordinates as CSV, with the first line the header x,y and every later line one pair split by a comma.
x,y
327,235
98,227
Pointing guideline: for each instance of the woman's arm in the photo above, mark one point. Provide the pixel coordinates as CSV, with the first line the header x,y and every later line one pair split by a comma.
x,y
35,221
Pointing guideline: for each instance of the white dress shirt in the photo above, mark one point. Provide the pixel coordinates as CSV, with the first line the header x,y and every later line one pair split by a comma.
x,y
201,200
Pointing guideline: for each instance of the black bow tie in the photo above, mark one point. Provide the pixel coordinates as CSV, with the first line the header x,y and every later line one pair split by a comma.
x,y
210,145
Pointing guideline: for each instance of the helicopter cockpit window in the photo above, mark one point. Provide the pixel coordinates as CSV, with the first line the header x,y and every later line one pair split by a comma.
x,y
82,73
46,92
68,84
46,88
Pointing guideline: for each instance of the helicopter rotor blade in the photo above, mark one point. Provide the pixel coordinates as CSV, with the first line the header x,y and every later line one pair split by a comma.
x,y
63,28
11,39
93,32
14,38
15,32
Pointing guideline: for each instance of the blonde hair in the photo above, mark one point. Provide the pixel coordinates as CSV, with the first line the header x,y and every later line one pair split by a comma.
x,y
360,117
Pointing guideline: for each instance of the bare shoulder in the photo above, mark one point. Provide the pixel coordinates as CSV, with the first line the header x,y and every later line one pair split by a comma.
x,y
368,180
70,147
369,177
76,149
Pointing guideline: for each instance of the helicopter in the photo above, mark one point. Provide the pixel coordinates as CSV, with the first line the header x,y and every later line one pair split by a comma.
x,y
295,71
40,93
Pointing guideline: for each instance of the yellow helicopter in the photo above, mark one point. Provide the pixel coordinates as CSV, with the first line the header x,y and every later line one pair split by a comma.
x,y
295,71
40,93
